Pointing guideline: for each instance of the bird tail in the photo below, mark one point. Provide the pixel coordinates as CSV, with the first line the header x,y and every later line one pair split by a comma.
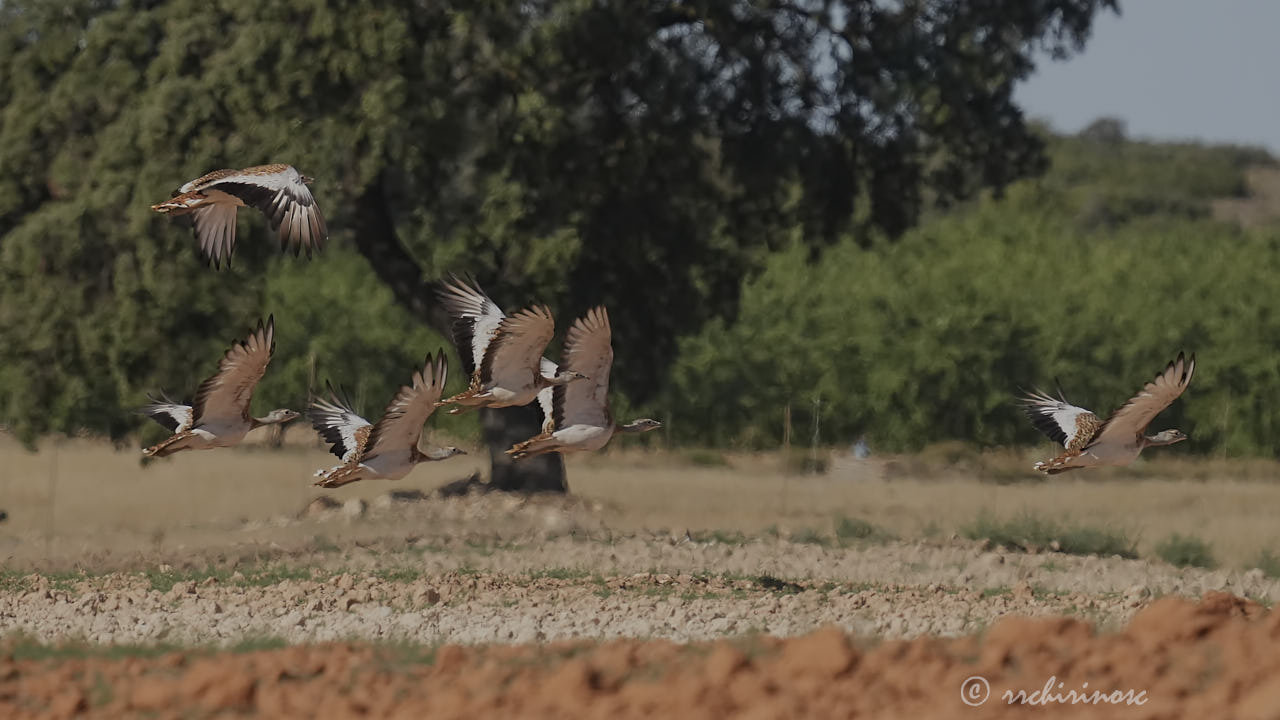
x,y
168,446
463,402
536,445
1059,464
184,203
339,476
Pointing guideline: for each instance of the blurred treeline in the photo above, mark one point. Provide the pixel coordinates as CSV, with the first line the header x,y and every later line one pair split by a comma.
x,y
737,182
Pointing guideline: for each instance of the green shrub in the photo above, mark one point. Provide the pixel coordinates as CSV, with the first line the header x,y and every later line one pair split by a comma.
x,y
854,529
1185,551
1032,532
1268,562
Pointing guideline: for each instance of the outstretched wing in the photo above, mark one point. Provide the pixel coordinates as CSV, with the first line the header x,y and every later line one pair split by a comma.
x,y
224,398
1063,422
588,349
1132,419
215,225
339,425
281,194
515,355
475,320
402,422
174,416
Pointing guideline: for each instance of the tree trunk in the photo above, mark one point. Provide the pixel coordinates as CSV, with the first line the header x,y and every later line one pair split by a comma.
x,y
375,237
508,426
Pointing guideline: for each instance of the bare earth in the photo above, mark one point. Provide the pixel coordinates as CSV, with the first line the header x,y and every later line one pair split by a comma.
x,y
409,602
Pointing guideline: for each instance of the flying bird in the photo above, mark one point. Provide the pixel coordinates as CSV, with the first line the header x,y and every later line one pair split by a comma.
x,y
576,417
501,354
279,191
1118,440
387,449
219,417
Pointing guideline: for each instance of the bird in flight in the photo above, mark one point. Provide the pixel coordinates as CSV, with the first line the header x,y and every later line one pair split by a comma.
x,y
502,354
220,417
576,416
389,448
279,191
1118,440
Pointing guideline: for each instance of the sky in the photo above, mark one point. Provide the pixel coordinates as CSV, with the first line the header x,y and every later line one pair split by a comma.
x,y
1172,70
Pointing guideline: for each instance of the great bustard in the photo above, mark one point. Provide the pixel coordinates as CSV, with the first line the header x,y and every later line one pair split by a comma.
x,y
278,190
1091,442
389,448
501,354
219,417
577,416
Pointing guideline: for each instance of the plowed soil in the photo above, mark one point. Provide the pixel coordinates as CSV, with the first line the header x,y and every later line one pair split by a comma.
x,y
1177,659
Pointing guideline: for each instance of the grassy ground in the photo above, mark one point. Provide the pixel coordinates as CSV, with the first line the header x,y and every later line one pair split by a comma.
x,y
90,494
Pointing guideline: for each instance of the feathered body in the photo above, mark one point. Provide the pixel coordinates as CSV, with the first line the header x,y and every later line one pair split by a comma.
x,y
501,354
388,449
1091,442
220,417
279,191
576,417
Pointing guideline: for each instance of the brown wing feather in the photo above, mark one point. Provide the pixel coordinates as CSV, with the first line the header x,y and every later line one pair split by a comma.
x,y
228,393
519,343
402,422
1135,415
588,349
203,180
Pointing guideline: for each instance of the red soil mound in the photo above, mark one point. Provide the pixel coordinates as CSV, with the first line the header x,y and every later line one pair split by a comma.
x,y
1178,659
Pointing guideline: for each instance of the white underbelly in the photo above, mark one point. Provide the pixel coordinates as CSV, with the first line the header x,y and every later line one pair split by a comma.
x,y
507,397
1110,454
389,466
216,436
583,437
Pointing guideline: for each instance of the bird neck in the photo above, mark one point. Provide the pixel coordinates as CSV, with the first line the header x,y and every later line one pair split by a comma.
x,y
1156,441
557,380
630,428
430,455
259,422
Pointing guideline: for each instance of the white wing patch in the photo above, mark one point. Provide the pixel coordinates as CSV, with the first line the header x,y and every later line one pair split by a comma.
x,y
174,416
475,319
339,425
546,396
1061,421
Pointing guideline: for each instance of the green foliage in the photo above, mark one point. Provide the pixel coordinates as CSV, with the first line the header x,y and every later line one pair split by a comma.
x,y
1185,551
642,155
1030,531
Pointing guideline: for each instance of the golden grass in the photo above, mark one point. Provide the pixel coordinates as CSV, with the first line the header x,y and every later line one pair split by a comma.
x,y
98,492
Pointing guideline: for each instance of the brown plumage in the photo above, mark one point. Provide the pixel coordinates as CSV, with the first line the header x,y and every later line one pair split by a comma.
x,y
1120,438
278,190
220,415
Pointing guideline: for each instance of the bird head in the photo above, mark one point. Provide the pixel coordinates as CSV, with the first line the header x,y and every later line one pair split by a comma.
x,y
642,425
281,415
1167,437
443,453
306,180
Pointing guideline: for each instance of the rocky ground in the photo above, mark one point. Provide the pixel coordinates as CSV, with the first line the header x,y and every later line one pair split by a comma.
x,y
430,580
1177,659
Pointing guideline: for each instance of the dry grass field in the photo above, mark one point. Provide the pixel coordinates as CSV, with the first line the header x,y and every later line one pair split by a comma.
x,y
78,493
